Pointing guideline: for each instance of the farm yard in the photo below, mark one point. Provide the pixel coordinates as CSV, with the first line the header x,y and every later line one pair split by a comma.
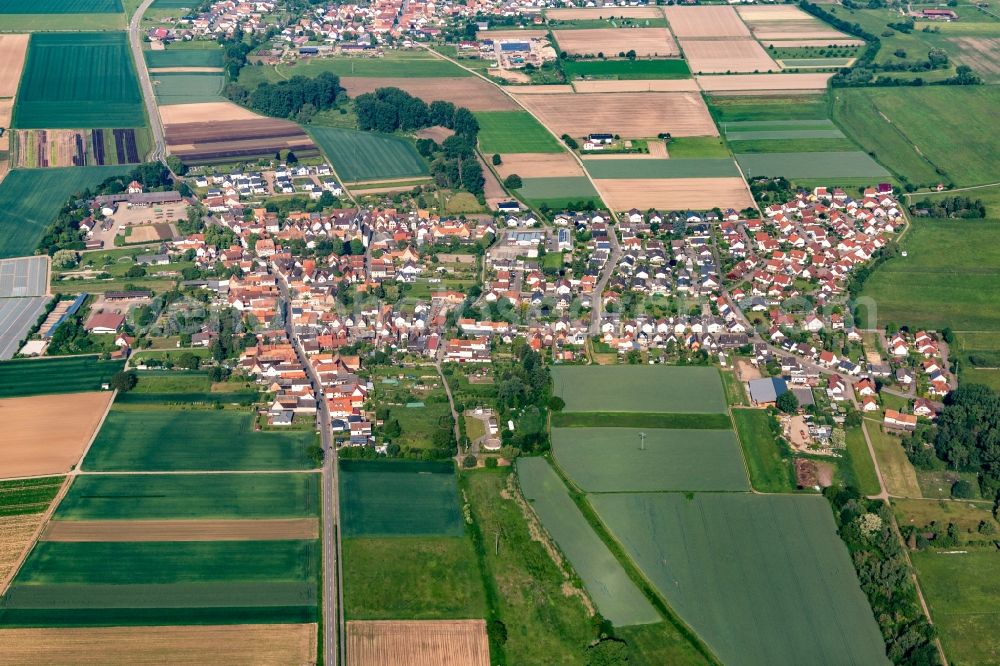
x,y
367,156
725,564
646,42
514,132
26,377
208,141
675,193
376,643
471,92
79,80
639,389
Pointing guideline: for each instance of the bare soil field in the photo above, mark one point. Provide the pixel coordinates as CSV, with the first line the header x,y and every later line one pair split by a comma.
x,y
646,42
705,21
417,643
980,53
576,13
811,42
751,13
632,115
181,530
437,133
750,83
539,165
175,114
167,70
540,90
706,56
226,644
16,532
217,141
468,91
148,233
637,85
47,434
509,75
675,193
13,50
511,34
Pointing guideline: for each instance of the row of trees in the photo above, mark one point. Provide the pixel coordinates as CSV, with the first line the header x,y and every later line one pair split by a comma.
x,y
293,98
956,206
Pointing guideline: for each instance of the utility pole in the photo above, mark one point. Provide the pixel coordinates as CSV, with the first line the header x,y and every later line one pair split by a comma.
x,y
642,441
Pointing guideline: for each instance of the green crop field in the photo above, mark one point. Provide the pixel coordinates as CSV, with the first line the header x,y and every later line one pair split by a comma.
x,y
613,592
210,57
198,440
60,6
793,146
172,4
24,496
671,168
815,62
188,88
762,579
726,109
31,198
179,398
62,22
640,420
785,134
555,190
361,156
607,460
963,591
930,288
942,122
397,498
412,578
79,80
770,471
626,69
190,496
514,132
639,389
811,165
55,375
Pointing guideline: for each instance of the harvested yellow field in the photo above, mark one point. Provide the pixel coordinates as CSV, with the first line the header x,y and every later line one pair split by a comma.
x,y
6,109
16,533
13,50
511,34
762,82
540,90
47,434
811,42
539,165
632,115
636,85
206,112
417,643
228,644
711,21
751,13
469,91
675,193
646,42
576,13
709,56
181,530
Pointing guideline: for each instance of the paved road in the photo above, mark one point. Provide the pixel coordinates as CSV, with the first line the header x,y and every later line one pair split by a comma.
x,y
606,272
159,152
333,599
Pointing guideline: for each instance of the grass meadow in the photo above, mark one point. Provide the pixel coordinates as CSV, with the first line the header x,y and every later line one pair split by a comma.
x,y
727,564
363,156
626,69
770,470
640,420
514,132
897,471
401,63
640,389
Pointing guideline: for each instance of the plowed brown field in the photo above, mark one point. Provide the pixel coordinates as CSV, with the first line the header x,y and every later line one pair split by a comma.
x,y
228,644
675,193
539,165
709,56
646,42
204,113
181,530
13,49
757,82
705,21
637,85
417,643
468,91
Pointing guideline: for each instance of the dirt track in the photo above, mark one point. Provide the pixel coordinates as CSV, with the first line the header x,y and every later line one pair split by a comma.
x,y
180,530
417,643
13,50
468,91
228,644
47,434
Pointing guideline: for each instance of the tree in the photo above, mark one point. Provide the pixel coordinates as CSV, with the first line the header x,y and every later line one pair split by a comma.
x,y
392,429
556,404
513,182
188,361
124,381
496,159
469,461
357,247
787,402
962,489
607,652
65,259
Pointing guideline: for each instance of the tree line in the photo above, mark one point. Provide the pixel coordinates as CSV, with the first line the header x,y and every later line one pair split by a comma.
x,y
299,97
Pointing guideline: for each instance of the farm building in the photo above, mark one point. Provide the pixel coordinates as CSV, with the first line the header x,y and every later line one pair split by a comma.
x,y
766,391
104,322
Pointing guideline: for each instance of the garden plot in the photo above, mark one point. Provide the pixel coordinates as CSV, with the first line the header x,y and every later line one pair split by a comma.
x,y
646,42
707,56
603,460
639,389
705,21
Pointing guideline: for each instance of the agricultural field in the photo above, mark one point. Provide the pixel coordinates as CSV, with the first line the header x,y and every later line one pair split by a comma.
x,y
926,135
373,643
621,84
188,87
709,56
786,107
666,69
17,317
793,166
604,460
514,132
762,84
928,288
770,471
161,438
175,57
393,65
471,92
670,168
79,80
639,389
612,591
423,498
539,165
367,156
725,564
69,15
31,199
61,6
897,472
88,147
22,505
779,22
13,50
705,22
25,377
646,42
558,192
673,420
676,194
213,132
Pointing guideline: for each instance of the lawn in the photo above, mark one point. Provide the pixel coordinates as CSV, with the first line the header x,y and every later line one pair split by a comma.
x,y
626,69
770,471
931,129
31,199
399,498
514,132
25,496
929,288
849,164
727,565
55,375
190,496
153,440
862,468
670,168
612,591
897,472
362,156
604,460
172,57
188,88
963,591
79,80
640,420
640,389
412,578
